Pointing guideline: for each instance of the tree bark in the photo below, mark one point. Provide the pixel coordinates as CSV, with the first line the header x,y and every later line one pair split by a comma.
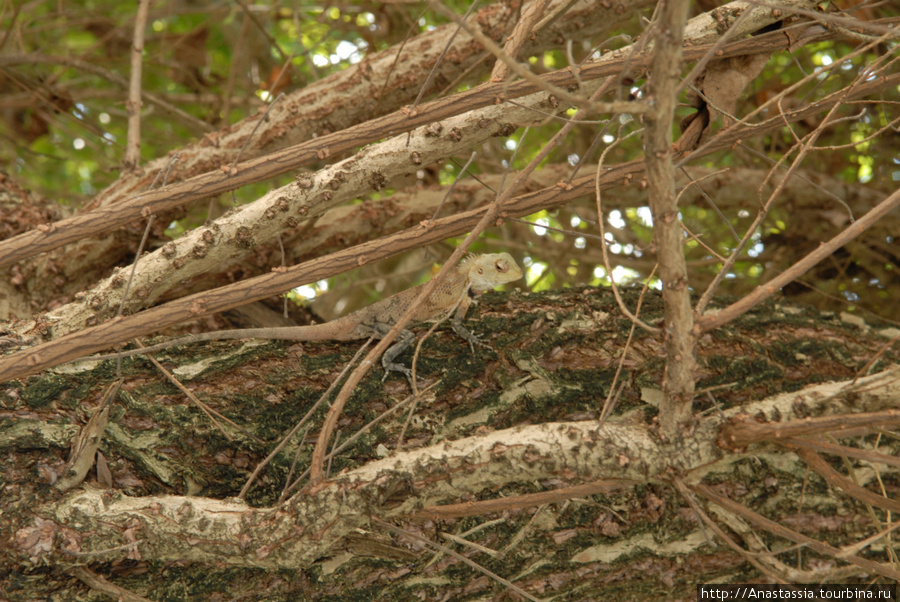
x,y
499,427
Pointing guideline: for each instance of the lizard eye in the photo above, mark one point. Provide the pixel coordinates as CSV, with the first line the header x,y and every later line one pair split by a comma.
x,y
501,266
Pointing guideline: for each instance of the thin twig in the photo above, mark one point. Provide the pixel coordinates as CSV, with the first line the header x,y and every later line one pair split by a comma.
x,y
782,531
603,244
252,133
237,50
440,59
309,414
762,292
528,500
290,475
425,336
387,78
471,544
132,156
459,176
868,455
839,481
263,30
412,399
608,403
519,35
140,250
706,197
99,583
457,555
9,27
688,496
210,413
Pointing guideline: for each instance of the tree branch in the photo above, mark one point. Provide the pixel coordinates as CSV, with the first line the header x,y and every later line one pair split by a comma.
x,y
96,338
764,291
668,235
132,157
212,183
308,526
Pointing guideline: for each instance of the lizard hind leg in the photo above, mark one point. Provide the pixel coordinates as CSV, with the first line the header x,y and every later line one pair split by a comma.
x,y
405,339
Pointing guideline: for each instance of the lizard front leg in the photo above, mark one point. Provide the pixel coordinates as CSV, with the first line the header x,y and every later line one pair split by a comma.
x,y
461,330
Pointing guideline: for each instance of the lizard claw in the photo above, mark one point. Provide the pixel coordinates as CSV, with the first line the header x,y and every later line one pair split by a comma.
x,y
476,341
393,367
471,337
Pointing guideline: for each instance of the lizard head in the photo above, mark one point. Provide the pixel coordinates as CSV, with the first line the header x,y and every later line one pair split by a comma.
x,y
491,270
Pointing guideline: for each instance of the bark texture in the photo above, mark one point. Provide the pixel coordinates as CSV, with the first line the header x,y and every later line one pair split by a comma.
x,y
500,425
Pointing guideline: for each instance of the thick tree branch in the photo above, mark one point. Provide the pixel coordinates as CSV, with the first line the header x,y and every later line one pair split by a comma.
x,y
94,525
254,170
288,209
99,337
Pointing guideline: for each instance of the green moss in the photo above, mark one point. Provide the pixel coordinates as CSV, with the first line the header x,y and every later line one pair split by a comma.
x,y
41,391
271,421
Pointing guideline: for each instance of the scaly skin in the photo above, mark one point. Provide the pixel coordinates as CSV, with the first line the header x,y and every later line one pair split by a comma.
x,y
473,276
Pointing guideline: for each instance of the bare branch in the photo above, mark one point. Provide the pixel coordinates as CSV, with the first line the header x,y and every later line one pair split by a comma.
x,y
99,337
764,291
132,157
520,33
668,237
213,183
782,531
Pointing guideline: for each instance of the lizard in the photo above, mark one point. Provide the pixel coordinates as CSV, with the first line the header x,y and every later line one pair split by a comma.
x,y
474,275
